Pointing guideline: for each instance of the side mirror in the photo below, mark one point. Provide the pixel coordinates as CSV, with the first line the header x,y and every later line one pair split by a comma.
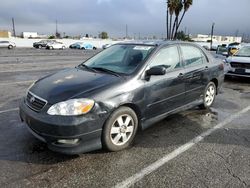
x,y
157,70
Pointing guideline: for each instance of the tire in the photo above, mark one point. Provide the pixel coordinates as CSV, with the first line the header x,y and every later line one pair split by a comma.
x,y
123,122
10,47
40,46
94,48
51,48
63,47
209,95
83,48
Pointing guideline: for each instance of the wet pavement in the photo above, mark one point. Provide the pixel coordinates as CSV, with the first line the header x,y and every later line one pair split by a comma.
x,y
222,159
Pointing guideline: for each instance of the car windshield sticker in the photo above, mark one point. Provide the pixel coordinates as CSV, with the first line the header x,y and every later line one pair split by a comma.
x,y
146,48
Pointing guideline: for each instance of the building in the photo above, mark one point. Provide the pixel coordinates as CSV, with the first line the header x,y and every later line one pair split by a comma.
x,y
29,34
5,34
216,38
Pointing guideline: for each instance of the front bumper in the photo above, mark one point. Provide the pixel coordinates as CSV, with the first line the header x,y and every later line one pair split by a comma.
x,y
239,72
232,73
50,129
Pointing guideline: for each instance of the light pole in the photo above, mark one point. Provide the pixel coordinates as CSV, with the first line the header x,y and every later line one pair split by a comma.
x,y
212,34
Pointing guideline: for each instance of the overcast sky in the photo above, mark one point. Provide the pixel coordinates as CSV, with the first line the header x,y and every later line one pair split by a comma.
x,y
142,16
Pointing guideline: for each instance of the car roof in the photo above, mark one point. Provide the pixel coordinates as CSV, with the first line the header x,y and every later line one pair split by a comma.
x,y
155,42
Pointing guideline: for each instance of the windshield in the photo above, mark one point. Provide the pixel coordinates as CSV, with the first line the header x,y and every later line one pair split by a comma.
x,y
244,52
120,58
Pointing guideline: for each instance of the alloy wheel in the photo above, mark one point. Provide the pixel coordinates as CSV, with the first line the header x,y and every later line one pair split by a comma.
x,y
210,95
122,129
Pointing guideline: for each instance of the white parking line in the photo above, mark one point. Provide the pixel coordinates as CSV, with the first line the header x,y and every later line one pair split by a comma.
x,y
154,166
9,110
20,82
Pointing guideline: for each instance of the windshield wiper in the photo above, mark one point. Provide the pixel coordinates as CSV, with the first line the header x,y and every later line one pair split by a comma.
x,y
87,67
106,70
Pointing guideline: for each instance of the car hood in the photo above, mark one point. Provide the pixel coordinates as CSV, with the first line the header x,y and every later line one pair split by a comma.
x,y
239,59
71,83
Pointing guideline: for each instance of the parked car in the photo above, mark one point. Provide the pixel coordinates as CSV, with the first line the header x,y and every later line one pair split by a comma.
x,y
55,45
42,43
83,46
233,48
76,45
222,50
239,63
7,44
104,101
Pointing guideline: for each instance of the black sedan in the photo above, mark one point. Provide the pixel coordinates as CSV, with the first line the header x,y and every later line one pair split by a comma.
x,y
42,43
104,101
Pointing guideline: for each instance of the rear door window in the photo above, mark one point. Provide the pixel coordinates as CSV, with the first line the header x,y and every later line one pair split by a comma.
x,y
192,56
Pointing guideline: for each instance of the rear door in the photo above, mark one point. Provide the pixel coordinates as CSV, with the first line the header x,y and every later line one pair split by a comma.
x,y
165,93
196,66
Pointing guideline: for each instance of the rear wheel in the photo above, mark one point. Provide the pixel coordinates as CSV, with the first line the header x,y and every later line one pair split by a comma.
x,y
209,95
40,46
51,48
10,47
120,129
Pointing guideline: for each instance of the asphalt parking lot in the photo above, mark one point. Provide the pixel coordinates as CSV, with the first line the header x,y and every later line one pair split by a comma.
x,y
195,148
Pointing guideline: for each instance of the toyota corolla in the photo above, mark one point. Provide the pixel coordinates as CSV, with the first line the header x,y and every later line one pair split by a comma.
x,y
104,101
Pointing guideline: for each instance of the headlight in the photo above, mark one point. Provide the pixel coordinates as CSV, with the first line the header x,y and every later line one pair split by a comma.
x,y
72,107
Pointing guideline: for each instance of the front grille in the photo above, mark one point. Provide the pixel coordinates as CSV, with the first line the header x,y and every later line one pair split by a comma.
x,y
240,65
34,102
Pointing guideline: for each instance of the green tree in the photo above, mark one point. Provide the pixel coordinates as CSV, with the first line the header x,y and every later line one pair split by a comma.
x,y
180,35
104,35
51,37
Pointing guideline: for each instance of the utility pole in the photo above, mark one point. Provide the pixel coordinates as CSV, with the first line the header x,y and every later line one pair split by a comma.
x,y
167,21
126,31
56,28
14,29
212,34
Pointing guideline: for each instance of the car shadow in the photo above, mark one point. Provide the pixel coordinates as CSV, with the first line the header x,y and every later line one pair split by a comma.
x,y
236,79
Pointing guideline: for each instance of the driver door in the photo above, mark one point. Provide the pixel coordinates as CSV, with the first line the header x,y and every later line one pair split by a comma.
x,y
165,93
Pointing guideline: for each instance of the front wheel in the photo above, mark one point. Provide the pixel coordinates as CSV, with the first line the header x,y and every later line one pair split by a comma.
x,y
10,47
209,95
120,129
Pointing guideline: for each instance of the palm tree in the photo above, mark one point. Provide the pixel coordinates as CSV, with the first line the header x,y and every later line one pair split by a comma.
x,y
177,11
187,4
167,20
172,5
